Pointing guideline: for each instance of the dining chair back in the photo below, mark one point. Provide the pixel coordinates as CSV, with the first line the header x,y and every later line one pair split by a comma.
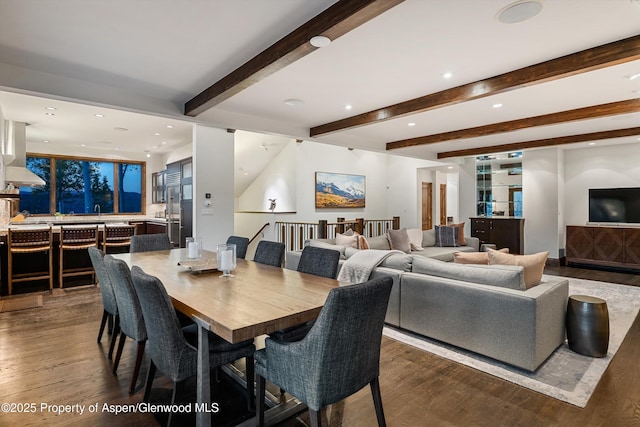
x,y
242,243
172,349
339,356
319,261
149,242
110,307
131,320
29,241
270,253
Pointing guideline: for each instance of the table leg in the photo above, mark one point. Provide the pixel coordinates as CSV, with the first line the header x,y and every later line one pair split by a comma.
x,y
203,418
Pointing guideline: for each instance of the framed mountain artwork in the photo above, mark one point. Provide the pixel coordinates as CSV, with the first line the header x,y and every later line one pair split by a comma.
x,y
336,190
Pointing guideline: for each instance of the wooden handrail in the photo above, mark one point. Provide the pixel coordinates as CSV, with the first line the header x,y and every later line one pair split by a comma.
x,y
259,231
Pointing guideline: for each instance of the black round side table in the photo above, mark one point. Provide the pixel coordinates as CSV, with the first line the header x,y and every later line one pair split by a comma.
x,y
588,325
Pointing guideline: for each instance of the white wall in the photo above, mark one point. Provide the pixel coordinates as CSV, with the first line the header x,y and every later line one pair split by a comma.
x,y
392,186
540,203
278,181
597,167
213,172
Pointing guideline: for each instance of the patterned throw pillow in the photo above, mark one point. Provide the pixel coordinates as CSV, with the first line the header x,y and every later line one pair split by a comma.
x,y
446,236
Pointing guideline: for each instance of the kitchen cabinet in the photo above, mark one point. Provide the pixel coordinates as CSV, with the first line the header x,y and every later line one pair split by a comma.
x,y
158,187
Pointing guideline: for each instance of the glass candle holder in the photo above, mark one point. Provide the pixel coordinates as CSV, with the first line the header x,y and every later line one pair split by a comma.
x,y
226,257
194,247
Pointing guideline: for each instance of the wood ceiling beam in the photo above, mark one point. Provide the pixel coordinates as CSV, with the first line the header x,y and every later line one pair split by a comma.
x,y
335,21
599,57
593,112
540,143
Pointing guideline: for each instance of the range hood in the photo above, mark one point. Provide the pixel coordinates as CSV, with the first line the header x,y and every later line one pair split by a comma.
x,y
14,157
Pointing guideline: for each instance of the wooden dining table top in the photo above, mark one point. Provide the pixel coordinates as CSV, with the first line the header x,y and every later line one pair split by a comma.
x,y
258,299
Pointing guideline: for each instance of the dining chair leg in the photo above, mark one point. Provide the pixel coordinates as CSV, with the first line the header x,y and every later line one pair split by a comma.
x,y
103,324
315,418
147,386
114,336
136,368
260,384
116,362
377,402
250,377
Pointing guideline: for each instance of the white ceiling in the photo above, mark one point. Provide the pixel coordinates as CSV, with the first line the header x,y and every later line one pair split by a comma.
x,y
171,51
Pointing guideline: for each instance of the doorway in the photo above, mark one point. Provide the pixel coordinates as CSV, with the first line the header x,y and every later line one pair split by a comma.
x,y
427,206
443,204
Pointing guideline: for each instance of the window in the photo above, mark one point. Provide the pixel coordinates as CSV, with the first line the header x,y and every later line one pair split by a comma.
x,y
83,186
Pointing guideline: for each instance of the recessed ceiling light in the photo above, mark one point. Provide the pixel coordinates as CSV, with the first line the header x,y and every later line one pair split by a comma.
x,y
46,141
169,126
348,107
156,134
449,167
117,148
293,102
447,75
154,146
148,154
411,124
632,76
320,41
592,143
519,11
163,142
498,105
119,129
83,145
100,116
50,108
50,114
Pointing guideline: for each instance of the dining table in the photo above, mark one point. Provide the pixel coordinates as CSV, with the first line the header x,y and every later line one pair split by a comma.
x,y
257,299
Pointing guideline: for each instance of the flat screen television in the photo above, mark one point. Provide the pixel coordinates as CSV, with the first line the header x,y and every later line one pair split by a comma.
x,y
614,205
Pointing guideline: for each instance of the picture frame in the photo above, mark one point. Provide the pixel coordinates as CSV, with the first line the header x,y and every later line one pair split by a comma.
x,y
339,191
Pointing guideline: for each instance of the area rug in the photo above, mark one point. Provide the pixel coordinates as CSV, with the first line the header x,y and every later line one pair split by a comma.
x,y
20,303
565,375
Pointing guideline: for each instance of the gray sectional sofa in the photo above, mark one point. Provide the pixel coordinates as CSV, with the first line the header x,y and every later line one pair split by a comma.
x,y
481,308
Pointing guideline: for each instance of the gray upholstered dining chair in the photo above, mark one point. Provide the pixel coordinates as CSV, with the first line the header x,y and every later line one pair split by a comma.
x,y
131,320
172,349
319,262
270,253
339,356
149,242
110,307
242,243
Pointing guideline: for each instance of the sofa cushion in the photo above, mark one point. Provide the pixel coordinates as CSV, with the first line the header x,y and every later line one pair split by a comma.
x,y
474,257
461,240
533,264
428,238
415,239
398,262
348,238
379,242
446,236
399,240
505,276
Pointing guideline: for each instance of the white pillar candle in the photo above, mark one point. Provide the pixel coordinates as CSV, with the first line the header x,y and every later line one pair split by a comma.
x,y
225,260
193,249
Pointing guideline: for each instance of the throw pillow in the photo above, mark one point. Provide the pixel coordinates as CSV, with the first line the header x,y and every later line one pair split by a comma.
x,y
474,257
533,264
461,239
415,239
379,242
362,242
399,240
347,239
446,236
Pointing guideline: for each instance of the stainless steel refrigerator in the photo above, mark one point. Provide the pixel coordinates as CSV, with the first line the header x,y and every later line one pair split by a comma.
x,y
174,209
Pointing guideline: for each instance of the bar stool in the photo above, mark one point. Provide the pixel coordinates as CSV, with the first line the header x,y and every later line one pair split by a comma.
x,y
117,236
76,239
29,241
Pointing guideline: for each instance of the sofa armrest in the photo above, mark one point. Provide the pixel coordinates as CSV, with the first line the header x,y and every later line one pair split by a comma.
x,y
473,242
292,259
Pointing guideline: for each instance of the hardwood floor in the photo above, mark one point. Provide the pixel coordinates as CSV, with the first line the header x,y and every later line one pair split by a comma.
x,y
50,355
